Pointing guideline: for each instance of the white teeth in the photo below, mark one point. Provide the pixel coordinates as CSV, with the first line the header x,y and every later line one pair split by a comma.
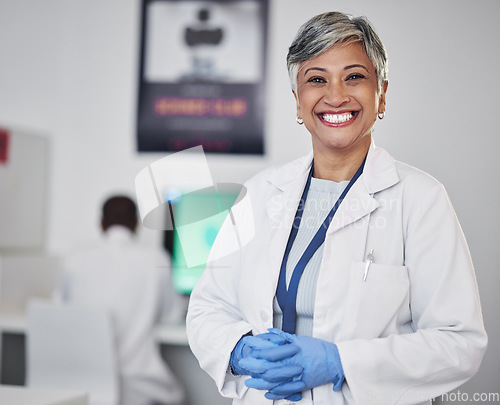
x,y
337,118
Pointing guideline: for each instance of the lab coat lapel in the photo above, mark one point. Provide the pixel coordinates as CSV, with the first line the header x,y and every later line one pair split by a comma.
x,y
357,203
282,206
379,173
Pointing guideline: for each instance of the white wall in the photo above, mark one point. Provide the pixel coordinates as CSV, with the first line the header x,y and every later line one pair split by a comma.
x,y
68,70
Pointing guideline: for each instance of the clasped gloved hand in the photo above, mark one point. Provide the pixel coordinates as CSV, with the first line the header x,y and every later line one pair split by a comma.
x,y
319,360
260,356
269,346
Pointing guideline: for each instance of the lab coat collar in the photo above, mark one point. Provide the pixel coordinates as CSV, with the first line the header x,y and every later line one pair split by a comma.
x,y
379,173
380,170
287,175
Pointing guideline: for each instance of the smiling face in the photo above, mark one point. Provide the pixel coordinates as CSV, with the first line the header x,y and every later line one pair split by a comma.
x,y
338,98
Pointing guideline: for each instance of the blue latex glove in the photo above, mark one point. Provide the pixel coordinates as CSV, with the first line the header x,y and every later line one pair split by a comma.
x,y
319,359
271,375
293,386
269,345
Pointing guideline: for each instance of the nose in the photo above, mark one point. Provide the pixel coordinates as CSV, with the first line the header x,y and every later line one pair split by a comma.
x,y
336,95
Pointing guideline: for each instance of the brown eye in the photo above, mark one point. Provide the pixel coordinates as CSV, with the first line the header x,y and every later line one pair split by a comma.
x,y
316,79
355,76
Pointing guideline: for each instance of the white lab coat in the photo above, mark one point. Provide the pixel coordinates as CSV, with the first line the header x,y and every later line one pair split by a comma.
x,y
133,284
412,331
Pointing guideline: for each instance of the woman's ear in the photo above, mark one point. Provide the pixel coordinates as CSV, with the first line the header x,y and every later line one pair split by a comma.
x,y
297,103
381,100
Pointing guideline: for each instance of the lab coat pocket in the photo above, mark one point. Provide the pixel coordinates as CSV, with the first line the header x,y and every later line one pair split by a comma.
x,y
377,305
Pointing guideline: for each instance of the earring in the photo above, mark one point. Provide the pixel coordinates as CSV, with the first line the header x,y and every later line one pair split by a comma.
x,y
381,115
300,121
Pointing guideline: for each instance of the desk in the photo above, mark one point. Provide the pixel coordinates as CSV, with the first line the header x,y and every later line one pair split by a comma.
x,y
28,396
12,345
172,338
170,334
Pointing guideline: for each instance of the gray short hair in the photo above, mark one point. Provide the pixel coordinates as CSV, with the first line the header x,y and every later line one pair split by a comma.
x,y
325,30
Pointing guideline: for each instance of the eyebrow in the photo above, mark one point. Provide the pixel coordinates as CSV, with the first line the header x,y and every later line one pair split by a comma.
x,y
346,68
356,66
314,68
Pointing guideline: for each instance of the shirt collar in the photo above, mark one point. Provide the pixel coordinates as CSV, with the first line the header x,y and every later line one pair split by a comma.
x,y
118,233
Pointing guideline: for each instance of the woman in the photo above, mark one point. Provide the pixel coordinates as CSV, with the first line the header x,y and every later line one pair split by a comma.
x,y
377,303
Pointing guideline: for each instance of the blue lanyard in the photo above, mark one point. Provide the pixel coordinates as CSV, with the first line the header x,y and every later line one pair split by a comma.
x,y
287,299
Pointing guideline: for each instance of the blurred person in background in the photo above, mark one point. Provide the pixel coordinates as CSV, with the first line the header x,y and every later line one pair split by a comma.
x,y
133,284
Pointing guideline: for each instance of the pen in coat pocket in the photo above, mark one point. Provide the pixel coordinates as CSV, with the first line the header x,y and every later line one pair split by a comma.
x,y
369,261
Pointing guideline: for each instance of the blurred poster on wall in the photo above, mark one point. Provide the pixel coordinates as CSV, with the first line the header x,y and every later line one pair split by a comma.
x,y
202,75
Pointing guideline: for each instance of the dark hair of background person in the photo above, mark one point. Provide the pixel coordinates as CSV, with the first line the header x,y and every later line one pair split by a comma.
x,y
119,210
